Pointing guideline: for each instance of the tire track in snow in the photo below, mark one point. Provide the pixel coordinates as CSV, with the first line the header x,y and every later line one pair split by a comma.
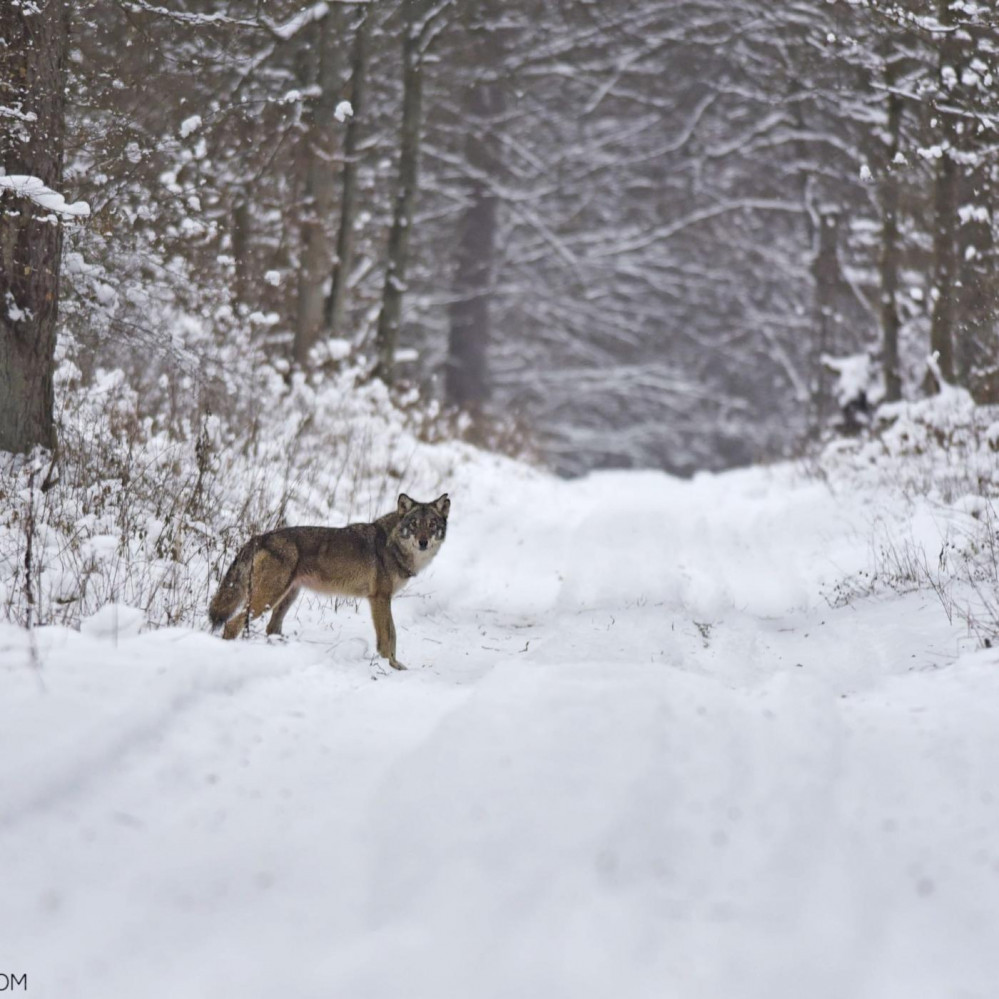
x,y
159,698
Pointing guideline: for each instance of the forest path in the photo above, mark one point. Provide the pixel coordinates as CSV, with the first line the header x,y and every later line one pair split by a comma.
x,y
637,753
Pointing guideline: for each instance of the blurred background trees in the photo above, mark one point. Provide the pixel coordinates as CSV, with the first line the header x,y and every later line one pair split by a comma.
x,y
645,232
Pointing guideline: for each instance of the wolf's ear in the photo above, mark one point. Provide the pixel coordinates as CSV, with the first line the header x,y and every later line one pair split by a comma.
x,y
442,505
405,503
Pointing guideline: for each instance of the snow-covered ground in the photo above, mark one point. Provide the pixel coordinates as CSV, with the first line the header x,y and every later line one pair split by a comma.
x,y
637,753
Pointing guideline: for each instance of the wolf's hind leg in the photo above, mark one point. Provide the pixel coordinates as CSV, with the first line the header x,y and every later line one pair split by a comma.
x,y
268,587
280,609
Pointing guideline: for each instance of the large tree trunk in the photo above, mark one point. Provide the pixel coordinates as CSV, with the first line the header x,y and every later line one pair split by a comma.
x,y
466,382
32,58
397,253
336,301
241,242
976,351
976,358
320,193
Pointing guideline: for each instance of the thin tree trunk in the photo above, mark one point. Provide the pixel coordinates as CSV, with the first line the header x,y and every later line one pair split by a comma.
x,y
336,301
813,337
890,248
466,381
945,218
32,60
320,194
826,273
944,226
397,253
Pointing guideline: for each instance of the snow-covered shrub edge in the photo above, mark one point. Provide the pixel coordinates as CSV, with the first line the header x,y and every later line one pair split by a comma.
x,y
931,468
146,512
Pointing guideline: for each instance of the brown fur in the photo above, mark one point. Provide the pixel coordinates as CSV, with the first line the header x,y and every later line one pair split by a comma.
x,y
360,560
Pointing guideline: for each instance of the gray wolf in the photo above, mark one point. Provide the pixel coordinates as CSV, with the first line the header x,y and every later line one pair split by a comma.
x,y
360,560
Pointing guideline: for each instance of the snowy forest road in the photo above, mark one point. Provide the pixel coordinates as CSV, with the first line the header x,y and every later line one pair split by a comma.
x,y
638,753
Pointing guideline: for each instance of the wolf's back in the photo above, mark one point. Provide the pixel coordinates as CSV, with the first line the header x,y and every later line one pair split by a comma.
x,y
234,588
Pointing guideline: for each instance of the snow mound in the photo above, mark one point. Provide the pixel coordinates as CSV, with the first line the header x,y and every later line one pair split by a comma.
x,y
114,621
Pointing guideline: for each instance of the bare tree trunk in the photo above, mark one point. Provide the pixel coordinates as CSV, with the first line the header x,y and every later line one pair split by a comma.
x,y
241,237
336,301
945,217
814,337
890,247
32,59
826,273
397,253
320,193
976,351
466,381
944,225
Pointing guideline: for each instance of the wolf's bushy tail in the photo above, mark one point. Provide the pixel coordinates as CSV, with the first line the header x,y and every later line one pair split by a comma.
x,y
234,588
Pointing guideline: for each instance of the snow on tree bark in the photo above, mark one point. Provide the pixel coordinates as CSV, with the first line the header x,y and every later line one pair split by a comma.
x,y
320,185
32,61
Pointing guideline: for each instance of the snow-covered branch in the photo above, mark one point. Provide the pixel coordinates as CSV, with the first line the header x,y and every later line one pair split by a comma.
x,y
35,190
8,112
185,17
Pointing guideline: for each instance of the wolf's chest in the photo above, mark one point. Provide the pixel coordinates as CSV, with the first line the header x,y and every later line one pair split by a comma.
x,y
419,560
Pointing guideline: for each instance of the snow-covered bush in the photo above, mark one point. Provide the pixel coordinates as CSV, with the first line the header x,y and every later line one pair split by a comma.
x,y
931,468
147,510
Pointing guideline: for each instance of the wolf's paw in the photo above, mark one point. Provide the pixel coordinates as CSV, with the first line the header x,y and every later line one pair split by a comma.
x,y
395,664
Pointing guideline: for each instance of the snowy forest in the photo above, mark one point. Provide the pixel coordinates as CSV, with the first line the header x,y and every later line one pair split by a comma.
x,y
639,234
679,322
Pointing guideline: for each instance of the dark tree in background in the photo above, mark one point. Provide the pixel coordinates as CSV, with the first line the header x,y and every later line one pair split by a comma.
x,y
890,198
973,127
466,382
33,41
945,205
343,261
420,24
319,57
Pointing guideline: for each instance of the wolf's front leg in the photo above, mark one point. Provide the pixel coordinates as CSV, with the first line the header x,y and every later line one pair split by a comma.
x,y
381,614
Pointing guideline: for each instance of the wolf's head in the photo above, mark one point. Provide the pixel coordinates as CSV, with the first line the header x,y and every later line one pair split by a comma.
x,y
422,526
